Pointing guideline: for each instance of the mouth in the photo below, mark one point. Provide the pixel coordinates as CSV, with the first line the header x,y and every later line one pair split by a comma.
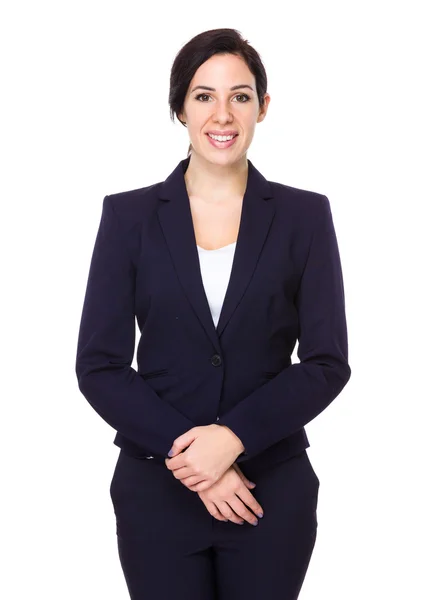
x,y
222,143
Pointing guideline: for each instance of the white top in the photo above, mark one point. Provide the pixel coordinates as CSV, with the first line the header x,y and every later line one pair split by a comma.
x,y
216,266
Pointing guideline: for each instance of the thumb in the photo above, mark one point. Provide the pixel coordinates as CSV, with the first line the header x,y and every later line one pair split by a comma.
x,y
182,442
248,483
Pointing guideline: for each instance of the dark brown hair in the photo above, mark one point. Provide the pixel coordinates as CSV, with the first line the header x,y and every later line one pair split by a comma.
x,y
199,49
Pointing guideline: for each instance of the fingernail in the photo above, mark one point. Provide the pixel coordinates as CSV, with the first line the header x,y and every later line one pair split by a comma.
x,y
171,453
260,515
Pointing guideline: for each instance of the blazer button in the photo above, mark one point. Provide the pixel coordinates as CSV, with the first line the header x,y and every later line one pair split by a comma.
x,y
216,360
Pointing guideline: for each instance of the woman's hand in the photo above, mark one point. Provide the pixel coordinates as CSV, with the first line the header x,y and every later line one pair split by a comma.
x,y
229,497
210,451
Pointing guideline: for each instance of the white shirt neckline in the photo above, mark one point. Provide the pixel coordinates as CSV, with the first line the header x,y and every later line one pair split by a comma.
x,y
216,249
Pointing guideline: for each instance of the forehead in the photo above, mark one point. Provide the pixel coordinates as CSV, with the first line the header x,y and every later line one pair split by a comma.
x,y
223,69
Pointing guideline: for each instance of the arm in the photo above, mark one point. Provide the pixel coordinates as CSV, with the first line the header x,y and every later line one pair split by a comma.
x,y
106,347
303,390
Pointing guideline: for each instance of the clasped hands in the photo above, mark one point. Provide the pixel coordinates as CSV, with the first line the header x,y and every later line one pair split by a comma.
x,y
210,451
208,467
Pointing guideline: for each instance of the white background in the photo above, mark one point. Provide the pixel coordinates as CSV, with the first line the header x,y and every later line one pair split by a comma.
x,y
353,115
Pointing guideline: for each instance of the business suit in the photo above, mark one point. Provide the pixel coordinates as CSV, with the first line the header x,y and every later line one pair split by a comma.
x,y
286,285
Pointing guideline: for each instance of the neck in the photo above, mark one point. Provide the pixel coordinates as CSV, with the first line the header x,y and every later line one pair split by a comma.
x,y
209,180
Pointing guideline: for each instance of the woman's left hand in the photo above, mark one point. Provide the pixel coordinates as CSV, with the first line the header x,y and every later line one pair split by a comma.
x,y
211,450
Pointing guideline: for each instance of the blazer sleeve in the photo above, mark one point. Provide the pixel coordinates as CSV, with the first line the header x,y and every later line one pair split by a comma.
x,y
106,344
303,390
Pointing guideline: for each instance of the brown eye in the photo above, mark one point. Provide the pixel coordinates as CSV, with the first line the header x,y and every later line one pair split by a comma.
x,y
243,96
246,96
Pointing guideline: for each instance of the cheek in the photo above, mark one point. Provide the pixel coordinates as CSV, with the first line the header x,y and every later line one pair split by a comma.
x,y
249,121
198,125
249,131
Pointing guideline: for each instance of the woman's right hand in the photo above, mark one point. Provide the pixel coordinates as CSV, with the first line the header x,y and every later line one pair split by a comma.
x,y
229,498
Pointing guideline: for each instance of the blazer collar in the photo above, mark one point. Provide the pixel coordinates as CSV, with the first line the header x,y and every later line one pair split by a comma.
x,y
176,221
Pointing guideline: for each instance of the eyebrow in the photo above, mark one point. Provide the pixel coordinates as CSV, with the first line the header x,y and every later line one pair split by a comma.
x,y
211,89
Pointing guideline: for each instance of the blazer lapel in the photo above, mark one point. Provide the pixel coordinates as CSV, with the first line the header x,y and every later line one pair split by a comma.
x,y
176,221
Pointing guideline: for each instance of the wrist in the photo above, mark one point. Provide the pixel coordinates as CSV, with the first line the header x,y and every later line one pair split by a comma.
x,y
239,446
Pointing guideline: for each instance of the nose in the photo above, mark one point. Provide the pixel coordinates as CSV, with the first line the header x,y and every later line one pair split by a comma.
x,y
222,112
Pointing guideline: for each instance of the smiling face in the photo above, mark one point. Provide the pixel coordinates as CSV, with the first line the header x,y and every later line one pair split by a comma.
x,y
222,99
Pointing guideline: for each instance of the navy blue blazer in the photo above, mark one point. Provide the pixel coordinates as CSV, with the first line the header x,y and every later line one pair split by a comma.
x,y
286,285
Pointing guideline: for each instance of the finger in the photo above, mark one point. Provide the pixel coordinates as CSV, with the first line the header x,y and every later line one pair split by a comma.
x,y
183,441
227,511
213,510
191,481
176,462
248,483
241,510
183,472
203,485
250,501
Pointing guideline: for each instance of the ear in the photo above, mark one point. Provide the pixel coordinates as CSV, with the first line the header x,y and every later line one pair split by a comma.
x,y
264,108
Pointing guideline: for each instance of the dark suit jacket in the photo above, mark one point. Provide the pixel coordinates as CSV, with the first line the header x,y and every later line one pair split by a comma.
x,y
286,285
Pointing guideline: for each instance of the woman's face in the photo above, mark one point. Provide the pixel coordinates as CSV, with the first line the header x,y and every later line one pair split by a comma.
x,y
222,109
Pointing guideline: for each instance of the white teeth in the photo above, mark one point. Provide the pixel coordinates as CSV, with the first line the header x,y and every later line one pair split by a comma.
x,y
221,138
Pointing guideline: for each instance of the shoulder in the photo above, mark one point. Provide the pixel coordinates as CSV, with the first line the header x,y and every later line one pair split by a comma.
x,y
132,203
130,209
305,206
127,211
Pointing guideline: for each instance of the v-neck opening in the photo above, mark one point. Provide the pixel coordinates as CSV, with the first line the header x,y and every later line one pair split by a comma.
x,y
216,249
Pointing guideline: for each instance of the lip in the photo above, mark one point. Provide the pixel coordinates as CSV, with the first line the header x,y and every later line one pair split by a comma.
x,y
221,145
225,132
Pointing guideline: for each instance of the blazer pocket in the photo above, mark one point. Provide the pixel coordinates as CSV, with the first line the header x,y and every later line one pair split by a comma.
x,y
270,374
164,384
155,373
275,369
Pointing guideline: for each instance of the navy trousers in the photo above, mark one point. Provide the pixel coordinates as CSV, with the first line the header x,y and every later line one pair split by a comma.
x,y
171,547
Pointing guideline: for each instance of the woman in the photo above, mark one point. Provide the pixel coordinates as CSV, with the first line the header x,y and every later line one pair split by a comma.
x,y
224,271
